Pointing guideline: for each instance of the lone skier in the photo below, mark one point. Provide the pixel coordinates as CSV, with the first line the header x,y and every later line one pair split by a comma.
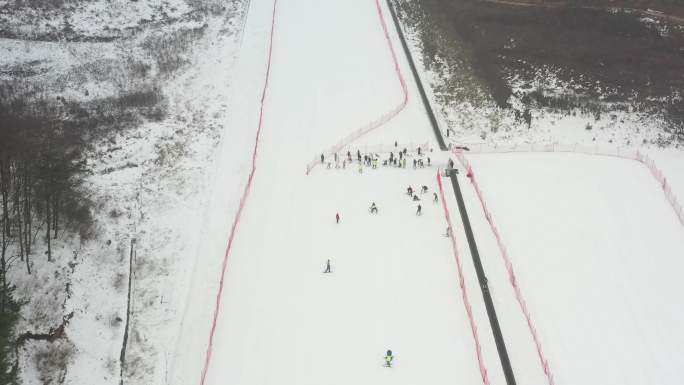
x,y
388,359
327,268
434,198
337,218
373,208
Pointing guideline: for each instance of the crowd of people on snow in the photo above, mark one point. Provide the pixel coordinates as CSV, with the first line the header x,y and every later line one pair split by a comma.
x,y
398,159
373,209
415,196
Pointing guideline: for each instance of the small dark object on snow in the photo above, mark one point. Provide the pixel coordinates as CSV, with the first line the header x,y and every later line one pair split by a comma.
x,y
373,208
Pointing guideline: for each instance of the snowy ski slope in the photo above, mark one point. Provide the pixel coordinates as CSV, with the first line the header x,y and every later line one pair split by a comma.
x,y
394,283
328,77
597,252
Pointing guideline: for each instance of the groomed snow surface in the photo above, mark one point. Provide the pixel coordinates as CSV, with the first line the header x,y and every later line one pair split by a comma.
x,y
597,251
594,243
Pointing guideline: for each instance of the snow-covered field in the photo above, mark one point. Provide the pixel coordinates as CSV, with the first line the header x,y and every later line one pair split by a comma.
x,y
595,245
321,67
148,182
393,286
597,252
394,283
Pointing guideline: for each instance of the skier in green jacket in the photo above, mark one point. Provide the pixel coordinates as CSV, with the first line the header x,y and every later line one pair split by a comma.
x,y
388,359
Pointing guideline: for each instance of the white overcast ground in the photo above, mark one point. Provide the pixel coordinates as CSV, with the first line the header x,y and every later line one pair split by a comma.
x,y
593,239
596,247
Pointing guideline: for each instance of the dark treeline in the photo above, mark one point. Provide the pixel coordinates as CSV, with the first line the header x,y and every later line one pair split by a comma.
x,y
41,169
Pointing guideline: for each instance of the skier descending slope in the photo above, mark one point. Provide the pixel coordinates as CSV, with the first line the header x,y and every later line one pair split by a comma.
x,y
388,359
373,208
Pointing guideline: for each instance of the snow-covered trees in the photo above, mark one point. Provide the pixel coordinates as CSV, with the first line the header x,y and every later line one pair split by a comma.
x,y
40,174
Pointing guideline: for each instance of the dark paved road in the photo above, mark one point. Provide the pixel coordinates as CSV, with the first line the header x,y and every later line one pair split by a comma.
x,y
482,279
421,90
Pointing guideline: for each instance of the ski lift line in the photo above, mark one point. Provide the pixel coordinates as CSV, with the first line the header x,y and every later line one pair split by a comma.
x,y
382,119
464,291
419,83
243,200
509,268
482,280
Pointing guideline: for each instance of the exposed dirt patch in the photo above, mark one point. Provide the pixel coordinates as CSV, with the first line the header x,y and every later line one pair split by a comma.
x,y
595,56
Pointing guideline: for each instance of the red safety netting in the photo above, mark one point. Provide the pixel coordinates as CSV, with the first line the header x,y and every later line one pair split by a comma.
x,y
461,283
509,267
243,200
667,189
591,150
384,118
616,152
